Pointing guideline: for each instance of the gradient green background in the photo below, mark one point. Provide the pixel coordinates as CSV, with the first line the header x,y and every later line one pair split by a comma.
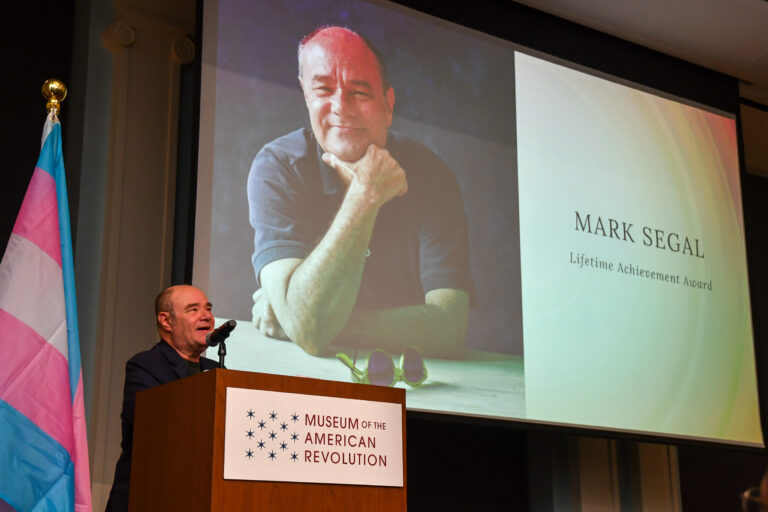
x,y
618,351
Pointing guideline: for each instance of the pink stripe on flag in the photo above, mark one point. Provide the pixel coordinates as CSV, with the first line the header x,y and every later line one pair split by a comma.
x,y
38,219
34,380
80,456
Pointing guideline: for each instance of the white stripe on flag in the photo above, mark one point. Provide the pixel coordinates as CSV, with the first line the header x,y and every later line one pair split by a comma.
x,y
31,289
48,128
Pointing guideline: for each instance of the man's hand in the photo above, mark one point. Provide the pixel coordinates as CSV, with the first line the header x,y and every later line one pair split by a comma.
x,y
376,176
264,318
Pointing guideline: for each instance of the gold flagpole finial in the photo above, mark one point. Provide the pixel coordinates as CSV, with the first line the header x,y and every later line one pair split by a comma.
x,y
54,91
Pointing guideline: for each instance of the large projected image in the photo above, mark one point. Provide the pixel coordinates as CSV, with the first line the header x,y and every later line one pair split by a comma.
x,y
585,234
443,256
635,302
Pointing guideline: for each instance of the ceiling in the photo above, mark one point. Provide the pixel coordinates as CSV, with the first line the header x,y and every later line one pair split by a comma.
x,y
730,36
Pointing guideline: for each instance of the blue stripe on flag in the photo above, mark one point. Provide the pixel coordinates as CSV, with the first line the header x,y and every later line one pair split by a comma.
x,y
52,161
36,472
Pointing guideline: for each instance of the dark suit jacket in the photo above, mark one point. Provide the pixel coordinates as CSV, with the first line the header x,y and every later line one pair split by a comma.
x,y
159,365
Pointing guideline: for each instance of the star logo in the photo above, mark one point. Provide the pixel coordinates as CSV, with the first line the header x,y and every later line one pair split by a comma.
x,y
274,432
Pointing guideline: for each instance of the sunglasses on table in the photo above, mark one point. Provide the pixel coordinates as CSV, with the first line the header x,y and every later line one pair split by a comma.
x,y
380,370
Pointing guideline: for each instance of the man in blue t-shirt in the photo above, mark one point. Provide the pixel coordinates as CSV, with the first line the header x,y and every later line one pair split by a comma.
x,y
360,235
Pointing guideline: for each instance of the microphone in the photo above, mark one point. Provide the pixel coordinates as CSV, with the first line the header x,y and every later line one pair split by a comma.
x,y
221,333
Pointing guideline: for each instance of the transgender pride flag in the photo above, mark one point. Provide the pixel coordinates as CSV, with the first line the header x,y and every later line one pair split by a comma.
x,y
43,445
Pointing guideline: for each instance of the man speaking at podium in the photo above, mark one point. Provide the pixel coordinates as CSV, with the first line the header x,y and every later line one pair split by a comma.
x,y
184,317
360,234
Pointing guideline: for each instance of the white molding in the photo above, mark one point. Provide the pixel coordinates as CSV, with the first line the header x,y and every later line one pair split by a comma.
x,y
148,47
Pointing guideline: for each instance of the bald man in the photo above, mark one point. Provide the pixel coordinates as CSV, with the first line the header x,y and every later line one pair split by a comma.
x,y
360,234
184,317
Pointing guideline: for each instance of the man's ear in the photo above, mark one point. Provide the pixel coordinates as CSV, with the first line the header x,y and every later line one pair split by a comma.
x,y
164,321
303,91
390,103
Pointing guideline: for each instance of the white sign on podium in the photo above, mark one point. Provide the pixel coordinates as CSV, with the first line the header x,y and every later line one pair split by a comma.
x,y
290,437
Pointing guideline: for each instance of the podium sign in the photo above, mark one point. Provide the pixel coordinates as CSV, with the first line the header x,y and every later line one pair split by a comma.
x,y
291,437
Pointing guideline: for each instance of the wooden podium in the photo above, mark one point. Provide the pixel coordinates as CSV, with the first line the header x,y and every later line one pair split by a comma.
x,y
178,450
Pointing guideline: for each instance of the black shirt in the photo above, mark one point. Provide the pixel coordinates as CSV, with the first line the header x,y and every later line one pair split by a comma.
x,y
419,241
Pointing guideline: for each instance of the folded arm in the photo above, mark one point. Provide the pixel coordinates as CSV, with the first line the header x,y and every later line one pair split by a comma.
x,y
312,298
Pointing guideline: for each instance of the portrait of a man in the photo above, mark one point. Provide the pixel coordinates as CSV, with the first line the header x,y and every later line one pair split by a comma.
x,y
360,234
357,196
357,182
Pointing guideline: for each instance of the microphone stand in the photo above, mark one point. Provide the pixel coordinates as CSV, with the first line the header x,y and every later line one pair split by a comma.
x,y
222,354
217,337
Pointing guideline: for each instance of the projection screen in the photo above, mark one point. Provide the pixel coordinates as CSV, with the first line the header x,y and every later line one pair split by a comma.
x,y
600,222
